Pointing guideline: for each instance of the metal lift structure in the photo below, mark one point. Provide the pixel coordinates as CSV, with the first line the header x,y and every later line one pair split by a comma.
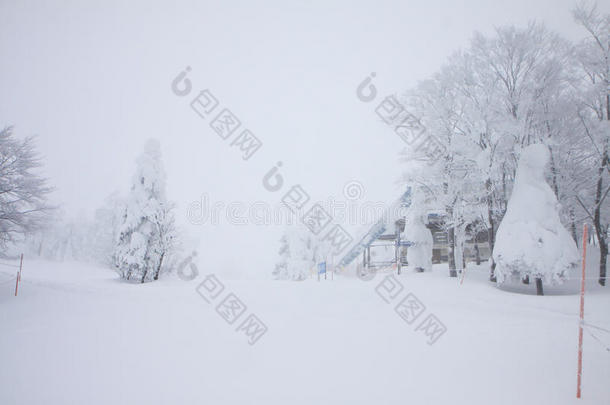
x,y
385,232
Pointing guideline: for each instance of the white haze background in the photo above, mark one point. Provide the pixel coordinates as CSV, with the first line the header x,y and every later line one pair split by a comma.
x,y
92,79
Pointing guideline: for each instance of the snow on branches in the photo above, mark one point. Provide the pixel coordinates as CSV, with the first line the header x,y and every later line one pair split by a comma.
x,y
147,230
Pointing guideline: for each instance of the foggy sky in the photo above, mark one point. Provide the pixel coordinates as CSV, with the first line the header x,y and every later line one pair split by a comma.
x,y
92,80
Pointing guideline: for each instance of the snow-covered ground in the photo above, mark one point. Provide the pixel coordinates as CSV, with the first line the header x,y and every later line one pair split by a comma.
x,y
77,335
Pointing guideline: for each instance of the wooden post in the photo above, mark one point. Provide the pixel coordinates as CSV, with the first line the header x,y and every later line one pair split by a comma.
x,y
582,310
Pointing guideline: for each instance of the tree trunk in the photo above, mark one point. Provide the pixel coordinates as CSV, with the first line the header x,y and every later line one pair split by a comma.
x,y
451,253
477,254
539,290
491,231
597,221
463,259
145,273
573,227
601,233
159,267
458,247
554,174
504,191
603,250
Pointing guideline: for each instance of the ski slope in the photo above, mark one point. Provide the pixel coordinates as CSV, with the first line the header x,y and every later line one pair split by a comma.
x,y
76,335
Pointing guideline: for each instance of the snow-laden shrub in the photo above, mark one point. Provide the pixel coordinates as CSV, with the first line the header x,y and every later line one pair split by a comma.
x,y
531,241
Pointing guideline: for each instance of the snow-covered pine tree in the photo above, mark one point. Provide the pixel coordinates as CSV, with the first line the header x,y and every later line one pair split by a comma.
x,y
531,240
300,251
147,226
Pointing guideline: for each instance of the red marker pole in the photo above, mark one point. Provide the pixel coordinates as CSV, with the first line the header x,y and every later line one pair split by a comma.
x,y
16,283
582,310
18,278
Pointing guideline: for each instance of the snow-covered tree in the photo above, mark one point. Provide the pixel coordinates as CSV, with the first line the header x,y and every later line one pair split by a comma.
x,y
63,238
55,240
520,74
531,240
419,254
300,251
106,223
280,272
147,230
516,87
453,179
23,204
593,99
167,237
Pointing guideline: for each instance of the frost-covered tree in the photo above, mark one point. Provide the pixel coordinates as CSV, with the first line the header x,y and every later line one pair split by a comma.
x,y
531,240
106,222
419,254
167,237
516,87
453,178
146,231
23,204
64,239
593,99
280,272
520,73
60,239
300,251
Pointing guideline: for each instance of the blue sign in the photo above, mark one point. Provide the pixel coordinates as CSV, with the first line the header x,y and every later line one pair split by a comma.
x,y
322,268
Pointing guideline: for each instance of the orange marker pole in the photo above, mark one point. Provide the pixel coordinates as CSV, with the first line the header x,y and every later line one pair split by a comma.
x,y
18,277
16,283
20,266
582,310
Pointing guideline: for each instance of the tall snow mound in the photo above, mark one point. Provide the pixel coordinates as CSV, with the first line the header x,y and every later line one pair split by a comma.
x,y
420,254
531,239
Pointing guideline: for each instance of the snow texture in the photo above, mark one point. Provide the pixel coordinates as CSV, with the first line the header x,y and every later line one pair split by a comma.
x,y
76,335
531,241
141,245
300,251
420,253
